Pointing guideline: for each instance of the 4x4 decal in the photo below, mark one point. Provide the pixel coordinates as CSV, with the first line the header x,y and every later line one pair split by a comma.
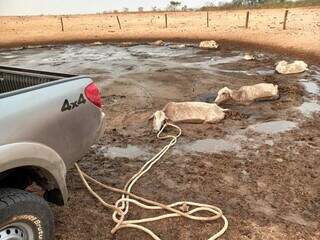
x,y
67,105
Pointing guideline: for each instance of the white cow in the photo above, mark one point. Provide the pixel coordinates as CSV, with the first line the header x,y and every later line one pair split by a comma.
x,y
248,57
188,112
158,43
249,94
209,44
284,67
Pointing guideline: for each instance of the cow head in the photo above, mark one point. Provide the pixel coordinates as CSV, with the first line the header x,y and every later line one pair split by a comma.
x,y
159,118
224,94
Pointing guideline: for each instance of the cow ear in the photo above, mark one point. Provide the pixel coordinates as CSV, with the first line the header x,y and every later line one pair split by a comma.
x,y
151,117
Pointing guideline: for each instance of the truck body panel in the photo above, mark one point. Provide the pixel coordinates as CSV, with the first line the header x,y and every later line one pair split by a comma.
x,y
53,112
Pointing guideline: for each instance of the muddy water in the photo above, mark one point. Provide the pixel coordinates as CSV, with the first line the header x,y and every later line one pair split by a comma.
x,y
136,80
308,108
311,87
130,152
209,146
273,127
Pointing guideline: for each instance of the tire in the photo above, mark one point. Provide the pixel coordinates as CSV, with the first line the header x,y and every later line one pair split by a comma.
x,y
24,216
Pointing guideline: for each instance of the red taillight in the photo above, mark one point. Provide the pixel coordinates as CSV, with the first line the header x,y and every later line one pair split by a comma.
x,y
93,94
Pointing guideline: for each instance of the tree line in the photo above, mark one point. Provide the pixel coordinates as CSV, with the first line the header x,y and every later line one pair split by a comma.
x,y
234,4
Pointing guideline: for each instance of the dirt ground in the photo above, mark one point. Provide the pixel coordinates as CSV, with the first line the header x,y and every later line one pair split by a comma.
x,y
302,35
260,165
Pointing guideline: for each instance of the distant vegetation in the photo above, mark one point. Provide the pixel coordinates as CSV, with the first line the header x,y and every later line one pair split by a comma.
x,y
244,4
234,4
173,5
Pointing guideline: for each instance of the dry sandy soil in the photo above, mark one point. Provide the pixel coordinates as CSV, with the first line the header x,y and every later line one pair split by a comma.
x,y
265,28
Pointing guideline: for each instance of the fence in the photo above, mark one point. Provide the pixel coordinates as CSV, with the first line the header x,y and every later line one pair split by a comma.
x,y
166,20
160,20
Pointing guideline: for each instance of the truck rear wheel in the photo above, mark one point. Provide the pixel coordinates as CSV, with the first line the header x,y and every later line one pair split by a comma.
x,y
24,216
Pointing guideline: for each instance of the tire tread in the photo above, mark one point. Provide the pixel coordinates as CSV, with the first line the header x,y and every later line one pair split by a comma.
x,y
11,196
16,201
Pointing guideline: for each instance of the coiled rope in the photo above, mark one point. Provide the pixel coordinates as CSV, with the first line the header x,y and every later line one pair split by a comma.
x,y
177,209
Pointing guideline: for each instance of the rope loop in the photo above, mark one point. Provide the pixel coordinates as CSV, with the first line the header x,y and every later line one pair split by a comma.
x,y
177,209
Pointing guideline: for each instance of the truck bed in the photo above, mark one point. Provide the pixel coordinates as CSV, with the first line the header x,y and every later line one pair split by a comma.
x,y
13,79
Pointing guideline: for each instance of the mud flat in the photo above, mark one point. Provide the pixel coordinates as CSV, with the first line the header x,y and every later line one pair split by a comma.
x,y
260,165
265,29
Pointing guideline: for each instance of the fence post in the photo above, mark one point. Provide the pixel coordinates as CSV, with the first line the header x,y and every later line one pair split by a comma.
x,y
119,22
247,19
207,18
166,20
61,22
285,19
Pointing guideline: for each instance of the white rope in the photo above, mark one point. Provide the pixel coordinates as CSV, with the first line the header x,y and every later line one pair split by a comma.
x,y
177,209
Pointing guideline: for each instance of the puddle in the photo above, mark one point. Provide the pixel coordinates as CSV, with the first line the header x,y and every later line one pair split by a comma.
x,y
114,60
273,127
311,87
265,72
209,146
130,152
308,108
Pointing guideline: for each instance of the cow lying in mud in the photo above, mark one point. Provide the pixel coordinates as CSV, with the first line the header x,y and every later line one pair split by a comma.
x,y
248,94
158,43
248,57
188,112
284,67
208,44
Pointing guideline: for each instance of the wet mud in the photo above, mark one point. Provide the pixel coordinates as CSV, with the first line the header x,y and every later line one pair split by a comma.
x,y
260,164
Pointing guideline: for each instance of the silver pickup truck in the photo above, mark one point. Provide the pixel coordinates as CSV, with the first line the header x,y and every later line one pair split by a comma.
x,y
47,122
